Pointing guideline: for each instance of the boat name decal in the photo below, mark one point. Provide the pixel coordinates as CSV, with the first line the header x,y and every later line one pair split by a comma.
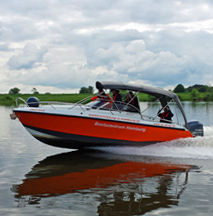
x,y
115,118
40,110
119,126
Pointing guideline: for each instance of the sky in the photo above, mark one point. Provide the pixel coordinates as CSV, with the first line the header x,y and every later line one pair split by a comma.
x,y
59,46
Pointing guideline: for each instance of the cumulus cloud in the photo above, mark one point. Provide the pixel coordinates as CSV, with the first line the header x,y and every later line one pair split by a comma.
x,y
28,58
66,69
70,44
135,61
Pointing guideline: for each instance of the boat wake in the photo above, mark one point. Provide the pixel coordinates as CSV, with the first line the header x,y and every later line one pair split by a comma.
x,y
190,148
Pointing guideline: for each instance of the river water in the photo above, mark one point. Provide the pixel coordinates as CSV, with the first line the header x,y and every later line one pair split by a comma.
x,y
171,178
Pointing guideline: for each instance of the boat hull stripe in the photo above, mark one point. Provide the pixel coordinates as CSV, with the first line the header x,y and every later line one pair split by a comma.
x,y
74,141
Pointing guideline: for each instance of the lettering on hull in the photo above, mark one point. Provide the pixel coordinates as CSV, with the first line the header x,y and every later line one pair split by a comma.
x,y
98,124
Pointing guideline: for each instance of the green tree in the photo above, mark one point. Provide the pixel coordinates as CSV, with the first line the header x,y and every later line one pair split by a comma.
x,y
83,90
179,88
34,90
208,96
14,90
195,96
196,86
203,88
91,90
86,90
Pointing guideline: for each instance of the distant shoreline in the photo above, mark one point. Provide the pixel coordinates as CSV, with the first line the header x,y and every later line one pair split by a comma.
x,y
9,99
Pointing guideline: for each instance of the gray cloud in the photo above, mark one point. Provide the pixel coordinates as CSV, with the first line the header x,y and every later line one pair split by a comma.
x,y
4,47
27,58
68,44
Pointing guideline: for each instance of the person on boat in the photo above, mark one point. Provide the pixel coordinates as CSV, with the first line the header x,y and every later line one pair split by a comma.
x,y
116,98
132,99
116,95
101,97
165,116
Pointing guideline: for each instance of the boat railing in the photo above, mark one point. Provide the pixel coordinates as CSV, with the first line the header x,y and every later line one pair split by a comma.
x,y
118,106
124,107
54,103
34,104
19,98
82,102
113,107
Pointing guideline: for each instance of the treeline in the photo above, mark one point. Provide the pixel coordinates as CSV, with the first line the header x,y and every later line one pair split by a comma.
x,y
195,92
191,93
84,89
16,90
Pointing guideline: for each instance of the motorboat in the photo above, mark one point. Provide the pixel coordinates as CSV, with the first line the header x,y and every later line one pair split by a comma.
x,y
100,120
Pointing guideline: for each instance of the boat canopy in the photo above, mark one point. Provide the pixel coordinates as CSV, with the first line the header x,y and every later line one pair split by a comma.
x,y
161,94
157,92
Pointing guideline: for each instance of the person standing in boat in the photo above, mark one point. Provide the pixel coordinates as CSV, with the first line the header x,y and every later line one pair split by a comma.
x,y
166,116
116,98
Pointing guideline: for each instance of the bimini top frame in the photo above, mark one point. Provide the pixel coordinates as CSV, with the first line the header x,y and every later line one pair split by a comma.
x,y
159,93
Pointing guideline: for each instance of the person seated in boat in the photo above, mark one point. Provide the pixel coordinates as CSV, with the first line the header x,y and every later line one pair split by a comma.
x,y
132,99
117,99
101,97
165,116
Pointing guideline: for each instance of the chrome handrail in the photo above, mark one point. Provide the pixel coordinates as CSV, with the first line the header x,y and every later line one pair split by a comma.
x,y
19,98
125,105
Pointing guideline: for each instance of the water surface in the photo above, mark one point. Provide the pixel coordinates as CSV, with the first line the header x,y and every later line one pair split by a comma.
x,y
170,178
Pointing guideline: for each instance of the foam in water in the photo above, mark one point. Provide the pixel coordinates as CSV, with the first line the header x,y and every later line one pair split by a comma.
x,y
196,148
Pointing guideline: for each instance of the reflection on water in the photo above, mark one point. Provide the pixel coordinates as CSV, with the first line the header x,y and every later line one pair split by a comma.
x,y
153,180
127,185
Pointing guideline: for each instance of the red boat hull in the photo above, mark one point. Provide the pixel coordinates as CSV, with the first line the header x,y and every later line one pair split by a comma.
x,y
77,132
